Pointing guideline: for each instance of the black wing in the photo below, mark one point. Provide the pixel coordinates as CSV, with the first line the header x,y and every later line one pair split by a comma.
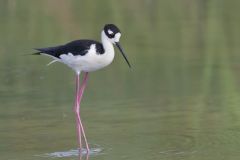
x,y
77,47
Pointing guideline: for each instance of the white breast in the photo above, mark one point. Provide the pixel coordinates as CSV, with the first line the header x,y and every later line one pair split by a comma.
x,y
91,61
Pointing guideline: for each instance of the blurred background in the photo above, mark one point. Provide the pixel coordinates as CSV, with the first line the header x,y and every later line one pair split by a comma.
x,y
180,100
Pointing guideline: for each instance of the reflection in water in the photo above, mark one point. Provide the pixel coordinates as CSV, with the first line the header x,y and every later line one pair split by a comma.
x,y
81,157
73,153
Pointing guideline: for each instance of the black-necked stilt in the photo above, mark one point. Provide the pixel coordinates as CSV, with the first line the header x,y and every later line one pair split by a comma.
x,y
86,56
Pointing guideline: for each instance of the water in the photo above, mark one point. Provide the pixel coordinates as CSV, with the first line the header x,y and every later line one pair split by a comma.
x,y
179,101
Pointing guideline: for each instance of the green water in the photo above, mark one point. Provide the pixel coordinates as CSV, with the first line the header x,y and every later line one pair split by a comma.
x,y
180,100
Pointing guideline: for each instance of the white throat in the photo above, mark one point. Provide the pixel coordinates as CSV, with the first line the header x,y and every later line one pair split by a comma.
x,y
107,44
108,55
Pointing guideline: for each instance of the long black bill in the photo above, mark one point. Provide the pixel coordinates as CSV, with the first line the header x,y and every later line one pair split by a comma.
x,y
124,55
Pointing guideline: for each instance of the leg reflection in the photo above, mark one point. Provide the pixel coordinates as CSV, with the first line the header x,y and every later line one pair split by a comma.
x,y
84,157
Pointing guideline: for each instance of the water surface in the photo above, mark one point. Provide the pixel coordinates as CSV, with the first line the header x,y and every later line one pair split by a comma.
x,y
180,100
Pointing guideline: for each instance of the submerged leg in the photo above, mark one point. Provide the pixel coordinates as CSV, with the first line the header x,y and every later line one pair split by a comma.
x,y
77,113
80,94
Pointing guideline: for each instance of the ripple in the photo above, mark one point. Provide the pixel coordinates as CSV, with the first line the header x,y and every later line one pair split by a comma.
x,y
71,153
177,152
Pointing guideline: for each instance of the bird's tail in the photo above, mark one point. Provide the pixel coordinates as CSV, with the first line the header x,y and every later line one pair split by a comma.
x,y
39,53
36,53
30,54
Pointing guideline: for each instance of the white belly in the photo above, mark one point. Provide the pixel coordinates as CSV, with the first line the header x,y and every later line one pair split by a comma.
x,y
89,62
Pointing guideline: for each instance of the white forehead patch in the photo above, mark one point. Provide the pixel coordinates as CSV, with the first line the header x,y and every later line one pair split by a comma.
x,y
110,32
117,37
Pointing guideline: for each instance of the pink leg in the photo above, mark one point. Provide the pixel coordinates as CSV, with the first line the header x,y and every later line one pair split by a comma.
x,y
77,114
80,94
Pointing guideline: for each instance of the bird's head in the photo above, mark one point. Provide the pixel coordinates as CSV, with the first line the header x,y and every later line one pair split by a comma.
x,y
113,34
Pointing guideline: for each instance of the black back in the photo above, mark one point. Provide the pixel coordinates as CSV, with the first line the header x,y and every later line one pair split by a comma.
x,y
77,47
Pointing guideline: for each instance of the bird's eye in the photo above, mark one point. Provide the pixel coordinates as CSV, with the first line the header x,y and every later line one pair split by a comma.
x,y
110,32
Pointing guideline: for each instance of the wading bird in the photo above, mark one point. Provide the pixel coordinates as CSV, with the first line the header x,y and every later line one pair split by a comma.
x,y
85,56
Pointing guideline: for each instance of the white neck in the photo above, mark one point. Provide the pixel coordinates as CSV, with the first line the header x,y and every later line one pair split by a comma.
x,y
107,45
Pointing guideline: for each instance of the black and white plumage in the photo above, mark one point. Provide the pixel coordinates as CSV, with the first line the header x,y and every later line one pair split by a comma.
x,y
87,55
77,47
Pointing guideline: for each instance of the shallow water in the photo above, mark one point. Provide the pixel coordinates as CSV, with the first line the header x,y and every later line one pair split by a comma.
x,y
179,101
